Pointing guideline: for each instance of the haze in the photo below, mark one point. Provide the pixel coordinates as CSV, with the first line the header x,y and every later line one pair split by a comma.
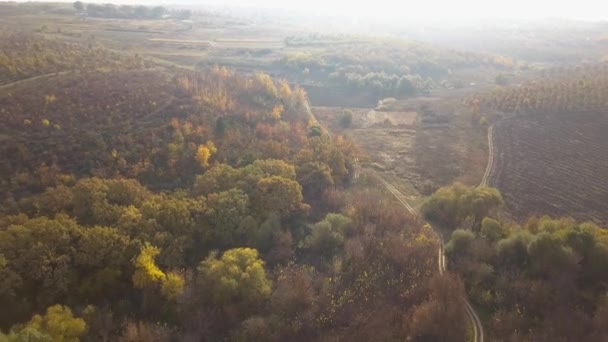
x,y
432,10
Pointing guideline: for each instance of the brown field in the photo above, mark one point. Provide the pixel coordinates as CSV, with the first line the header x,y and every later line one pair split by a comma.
x,y
553,166
235,43
418,151
339,97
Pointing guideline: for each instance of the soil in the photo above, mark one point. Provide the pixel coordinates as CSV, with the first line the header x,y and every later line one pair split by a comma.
x,y
553,165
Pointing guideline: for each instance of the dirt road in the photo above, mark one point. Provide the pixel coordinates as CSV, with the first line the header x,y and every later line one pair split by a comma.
x,y
490,166
478,334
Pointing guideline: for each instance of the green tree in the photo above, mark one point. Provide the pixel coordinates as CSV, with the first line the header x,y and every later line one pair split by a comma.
x,y
460,243
104,253
57,325
549,256
451,206
237,276
315,178
274,167
280,195
79,6
221,177
225,212
491,229
327,236
32,247
346,119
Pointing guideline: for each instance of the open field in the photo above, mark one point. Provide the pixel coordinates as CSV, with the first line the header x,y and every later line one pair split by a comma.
x,y
418,144
553,166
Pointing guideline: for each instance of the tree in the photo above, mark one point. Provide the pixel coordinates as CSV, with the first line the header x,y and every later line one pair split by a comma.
x,y
205,152
277,111
275,167
221,177
328,235
280,195
226,211
451,206
104,253
58,324
441,317
549,256
501,80
31,247
172,286
346,119
238,275
491,229
315,178
79,6
460,243
149,276
146,272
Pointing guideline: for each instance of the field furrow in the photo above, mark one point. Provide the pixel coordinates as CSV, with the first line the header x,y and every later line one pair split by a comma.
x,y
554,166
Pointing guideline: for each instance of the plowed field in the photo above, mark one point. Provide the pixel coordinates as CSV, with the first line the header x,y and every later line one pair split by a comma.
x,y
553,166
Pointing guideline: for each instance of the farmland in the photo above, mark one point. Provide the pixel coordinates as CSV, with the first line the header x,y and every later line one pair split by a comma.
x,y
554,166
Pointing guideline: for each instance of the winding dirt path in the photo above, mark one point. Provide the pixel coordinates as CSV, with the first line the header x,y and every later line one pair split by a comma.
x,y
490,166
33,78
478,334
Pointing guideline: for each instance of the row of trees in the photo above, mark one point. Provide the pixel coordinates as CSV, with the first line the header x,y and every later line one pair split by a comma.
x,y
386,68
540,281
562,91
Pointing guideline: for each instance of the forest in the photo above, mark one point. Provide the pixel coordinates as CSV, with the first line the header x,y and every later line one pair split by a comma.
x,y
202,205
385,67
213,174
528,279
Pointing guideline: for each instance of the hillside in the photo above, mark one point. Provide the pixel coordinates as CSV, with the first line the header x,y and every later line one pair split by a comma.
x,y
149,204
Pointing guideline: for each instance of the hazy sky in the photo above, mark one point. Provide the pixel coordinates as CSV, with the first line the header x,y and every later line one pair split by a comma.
x,y
452,10
445,9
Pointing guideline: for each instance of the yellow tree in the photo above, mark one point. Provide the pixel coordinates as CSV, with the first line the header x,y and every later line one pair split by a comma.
x,y
205,152
277,111
146,271
148,275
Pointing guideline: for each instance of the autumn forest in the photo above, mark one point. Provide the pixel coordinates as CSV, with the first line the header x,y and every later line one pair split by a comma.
x,y
174,189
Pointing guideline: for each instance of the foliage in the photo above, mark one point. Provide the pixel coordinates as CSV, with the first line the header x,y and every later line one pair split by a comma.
x,y
238,274
58,324
131,209
529,276
452,206
146,271
172,286
205,152
383,67
559,90
328,236
346,119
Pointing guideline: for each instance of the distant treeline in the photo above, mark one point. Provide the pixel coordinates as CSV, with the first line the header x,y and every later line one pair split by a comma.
x,y
383,67
130,12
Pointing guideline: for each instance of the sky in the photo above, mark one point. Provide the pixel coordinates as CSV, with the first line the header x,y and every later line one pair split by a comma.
x,y
422,10
445,9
